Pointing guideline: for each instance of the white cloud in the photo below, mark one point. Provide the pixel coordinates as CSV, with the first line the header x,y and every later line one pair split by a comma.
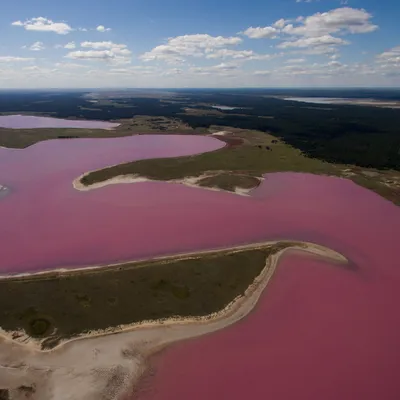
x,y
326,40
66,65
91,55
37,46
177,48
280,23
102,28
295,61
102,51
219,69
34,69
316,30
173,72
42,24
343,20
391,56
245,55
70,46
134,70
103,45
316,51
332,68
261,33
10,59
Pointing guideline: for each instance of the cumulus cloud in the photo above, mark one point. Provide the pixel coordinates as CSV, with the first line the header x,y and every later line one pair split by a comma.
x,y
102,28
388,62
316,31
343,20
326,40
70,46
90,55
177,48
42,24
37,46
103,45
391,56
280,23
245,55
102,51
261,33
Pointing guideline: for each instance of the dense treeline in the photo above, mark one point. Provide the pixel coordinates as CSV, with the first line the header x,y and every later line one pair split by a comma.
x,y
360,135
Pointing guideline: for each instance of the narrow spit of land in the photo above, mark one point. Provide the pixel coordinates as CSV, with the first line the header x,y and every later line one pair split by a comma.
x,y
74,302
109,363
239,167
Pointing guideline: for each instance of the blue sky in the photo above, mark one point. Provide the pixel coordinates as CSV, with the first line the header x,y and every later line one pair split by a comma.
x,y
208,43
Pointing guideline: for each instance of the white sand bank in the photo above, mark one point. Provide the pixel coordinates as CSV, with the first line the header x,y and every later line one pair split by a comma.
x,y
190,181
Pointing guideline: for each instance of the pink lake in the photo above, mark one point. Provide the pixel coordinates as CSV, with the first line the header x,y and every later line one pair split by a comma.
x,y
318,332
31,122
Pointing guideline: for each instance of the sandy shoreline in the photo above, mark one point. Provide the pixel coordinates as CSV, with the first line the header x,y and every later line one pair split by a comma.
x,y
87,367
190,181
163,258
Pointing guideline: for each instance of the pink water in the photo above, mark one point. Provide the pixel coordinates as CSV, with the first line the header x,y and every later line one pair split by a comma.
x,y
30,122
319,331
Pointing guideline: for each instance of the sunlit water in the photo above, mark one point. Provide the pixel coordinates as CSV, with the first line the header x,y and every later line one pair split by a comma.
x,y
31,122
319,331
315,100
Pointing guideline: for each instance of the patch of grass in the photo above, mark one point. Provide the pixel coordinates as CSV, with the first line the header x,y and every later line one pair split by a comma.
x,y
22,138
139,291
261,153
230,181
244,159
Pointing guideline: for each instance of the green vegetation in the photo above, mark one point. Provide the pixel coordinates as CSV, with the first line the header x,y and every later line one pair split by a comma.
x,y
239,166
362,136
229,181
22,138
312,138
72,303
247,159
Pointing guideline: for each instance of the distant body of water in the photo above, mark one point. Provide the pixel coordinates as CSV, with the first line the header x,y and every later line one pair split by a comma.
x,y
315,100
31,122
225,108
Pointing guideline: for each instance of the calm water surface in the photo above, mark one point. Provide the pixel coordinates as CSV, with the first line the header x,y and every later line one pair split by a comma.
x,y
318,332
315,100
31,122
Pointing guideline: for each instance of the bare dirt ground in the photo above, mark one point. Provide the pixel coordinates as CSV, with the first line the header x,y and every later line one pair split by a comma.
x,y
104,365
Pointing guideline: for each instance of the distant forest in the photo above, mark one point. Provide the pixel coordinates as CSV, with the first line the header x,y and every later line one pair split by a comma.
x,y
358,135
